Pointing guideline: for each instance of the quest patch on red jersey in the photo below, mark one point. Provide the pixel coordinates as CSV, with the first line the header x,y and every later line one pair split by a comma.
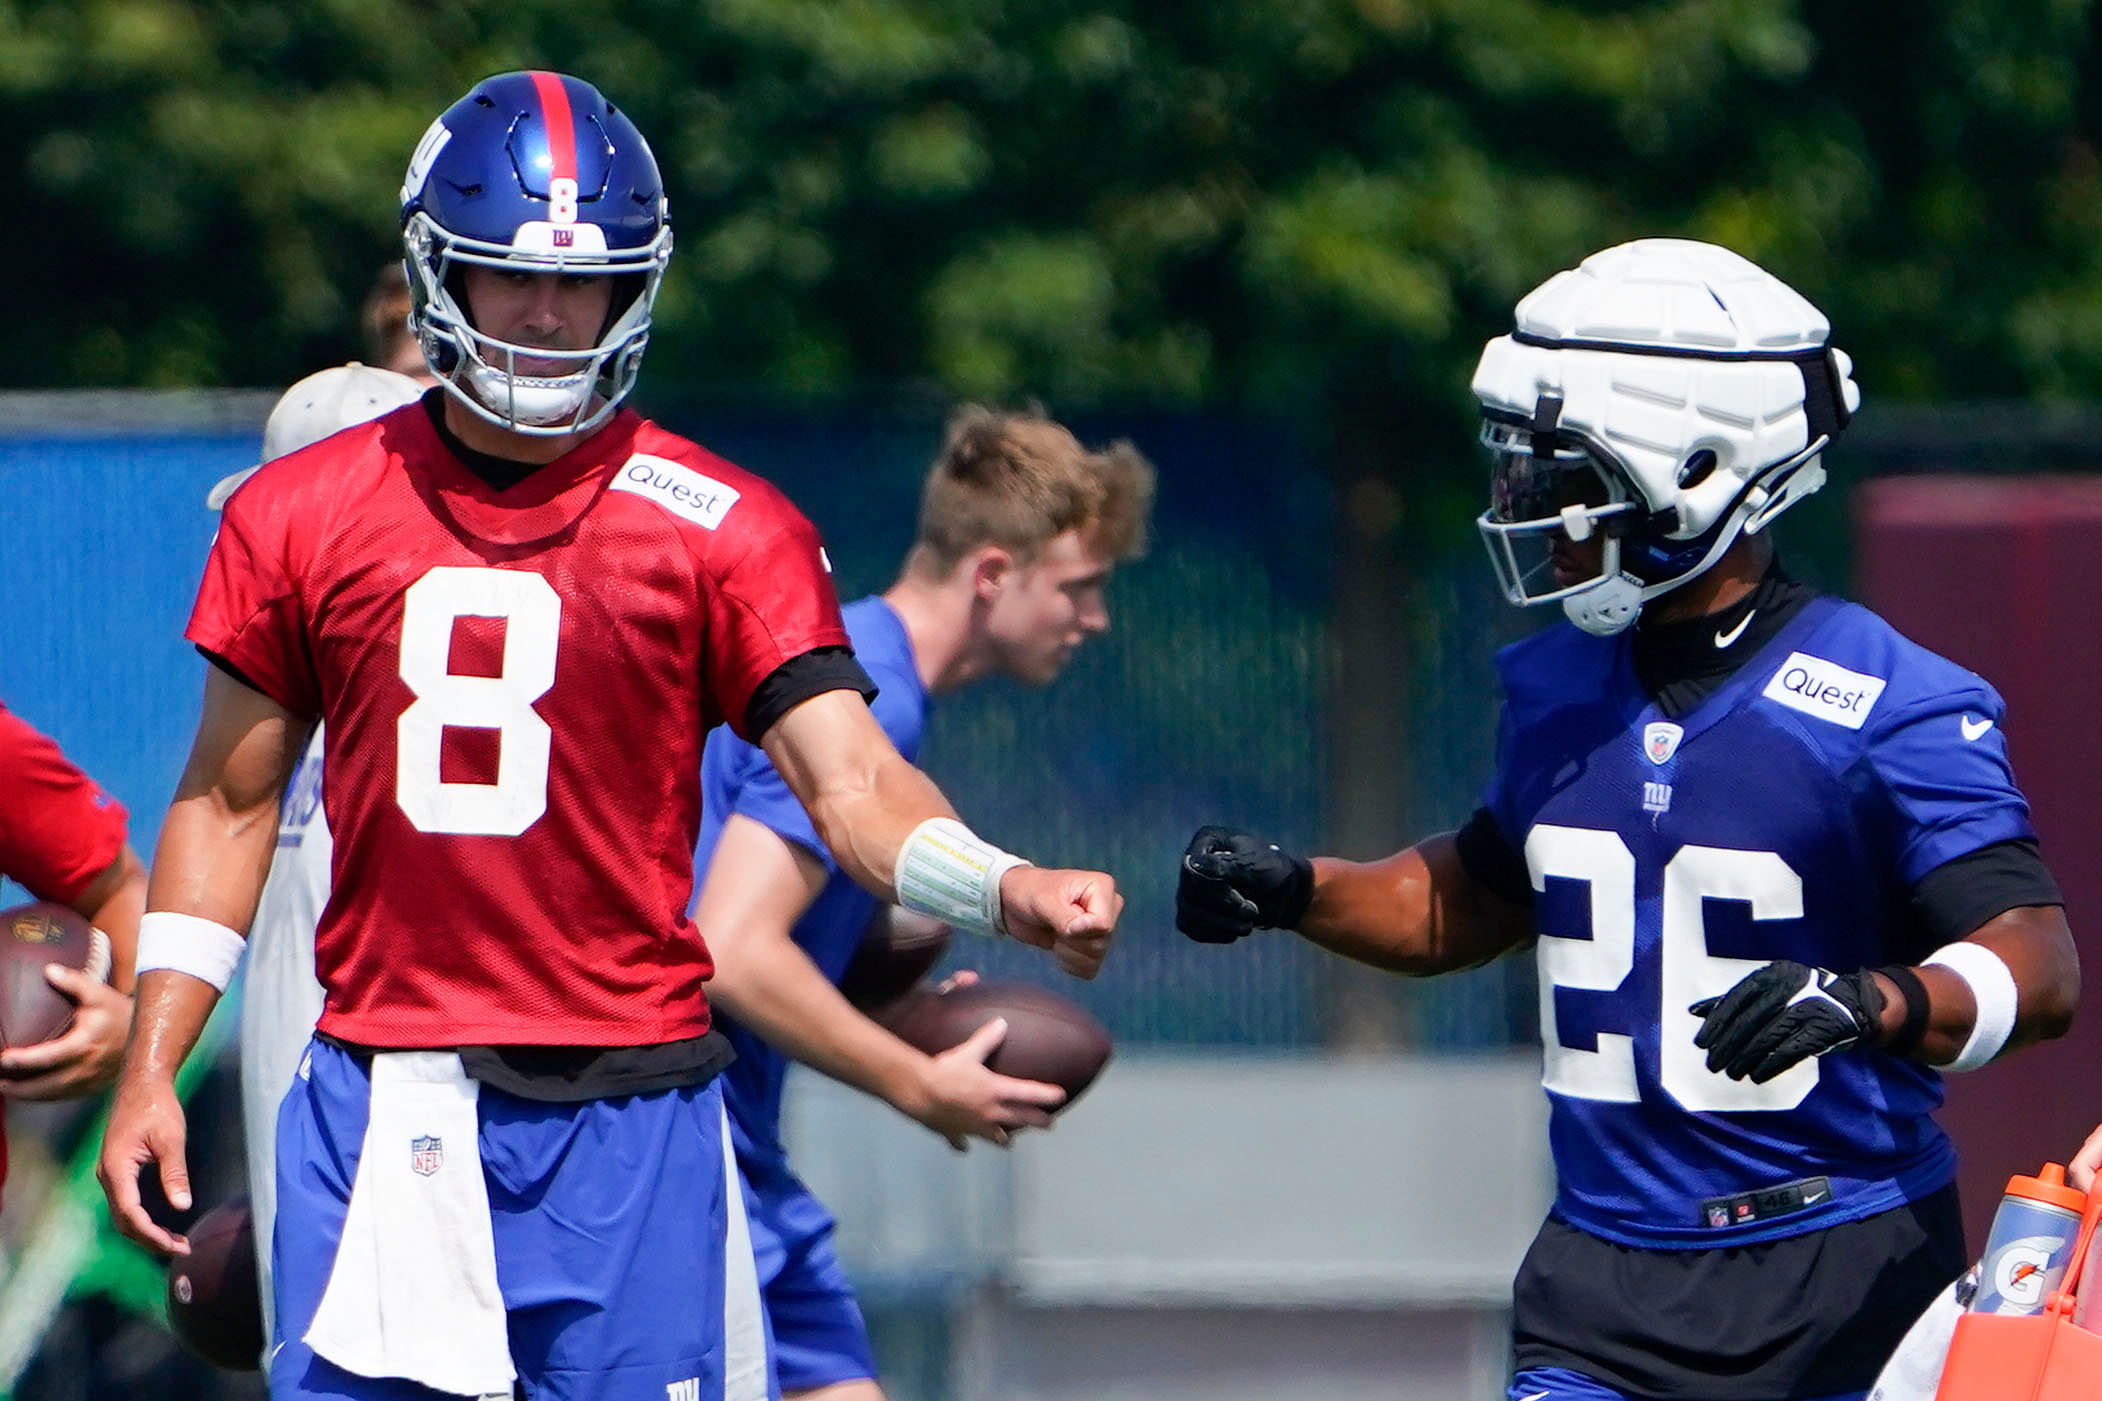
x,y
679,489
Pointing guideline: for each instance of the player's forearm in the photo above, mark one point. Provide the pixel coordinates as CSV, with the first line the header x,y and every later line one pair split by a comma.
x,y
2036,945
208,871
861,794
169,1015
867,824
1415,912
777,992
210,868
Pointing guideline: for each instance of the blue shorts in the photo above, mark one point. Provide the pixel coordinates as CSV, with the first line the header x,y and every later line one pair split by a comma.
x,y
1560,1384
818,1334
610,1222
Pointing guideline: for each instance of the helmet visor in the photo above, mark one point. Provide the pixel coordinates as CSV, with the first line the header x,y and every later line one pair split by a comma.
x,y
1527,484
1545,507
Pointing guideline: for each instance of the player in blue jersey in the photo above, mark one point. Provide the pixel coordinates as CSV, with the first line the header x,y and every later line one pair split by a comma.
x,y
1771,855
1020,528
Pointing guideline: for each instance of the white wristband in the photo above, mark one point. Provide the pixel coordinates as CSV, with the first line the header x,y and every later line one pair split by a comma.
x,y
186,944
1992,988
945,870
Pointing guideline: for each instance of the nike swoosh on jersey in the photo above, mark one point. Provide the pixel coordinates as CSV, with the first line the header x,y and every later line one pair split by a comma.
x,y
1974,728
1809,1198
1724,639
1536,1396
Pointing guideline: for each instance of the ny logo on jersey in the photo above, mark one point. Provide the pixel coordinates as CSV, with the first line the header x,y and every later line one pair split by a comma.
x,y
688,1390
426,1155
1656,797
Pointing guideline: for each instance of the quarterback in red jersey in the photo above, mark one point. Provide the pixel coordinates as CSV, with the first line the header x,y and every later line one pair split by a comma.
x,y
519,607
521,738
62,840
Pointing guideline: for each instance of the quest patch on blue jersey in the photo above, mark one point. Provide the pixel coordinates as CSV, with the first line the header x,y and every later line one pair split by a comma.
x,y
1825,689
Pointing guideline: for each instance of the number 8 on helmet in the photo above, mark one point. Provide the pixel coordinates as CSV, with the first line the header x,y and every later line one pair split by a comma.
x,y
538,173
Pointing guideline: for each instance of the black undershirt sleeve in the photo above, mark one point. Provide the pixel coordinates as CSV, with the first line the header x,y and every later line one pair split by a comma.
x,y
237,674
1954,899
229,668
798,679
1491,861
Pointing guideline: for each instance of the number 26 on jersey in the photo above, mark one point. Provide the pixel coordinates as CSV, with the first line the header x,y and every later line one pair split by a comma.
x,y
1686,973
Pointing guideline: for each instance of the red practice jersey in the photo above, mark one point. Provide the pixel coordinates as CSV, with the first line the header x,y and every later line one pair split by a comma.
x,y
516,687
58,829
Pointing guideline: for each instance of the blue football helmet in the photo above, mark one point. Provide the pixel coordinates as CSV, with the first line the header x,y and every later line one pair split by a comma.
x,y
534,172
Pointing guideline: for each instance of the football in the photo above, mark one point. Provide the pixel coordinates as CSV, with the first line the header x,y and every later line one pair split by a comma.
x,y
215,1306
31,936
898,948
1049,1037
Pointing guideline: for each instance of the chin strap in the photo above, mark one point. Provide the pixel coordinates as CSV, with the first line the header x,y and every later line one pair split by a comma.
x,y
1608,608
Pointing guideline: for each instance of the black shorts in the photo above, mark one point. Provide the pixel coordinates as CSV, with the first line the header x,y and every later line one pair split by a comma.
x,y
1814,1315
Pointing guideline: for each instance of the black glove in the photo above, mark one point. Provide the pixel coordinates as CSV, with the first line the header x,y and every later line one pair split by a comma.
x,y
1234,883
1783,1014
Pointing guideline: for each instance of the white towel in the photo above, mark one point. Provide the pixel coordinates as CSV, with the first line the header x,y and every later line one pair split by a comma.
x,y
1914,1370
413,1290
746,1375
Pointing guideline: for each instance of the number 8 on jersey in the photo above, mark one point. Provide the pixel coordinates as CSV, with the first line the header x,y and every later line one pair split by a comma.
x,y
532,615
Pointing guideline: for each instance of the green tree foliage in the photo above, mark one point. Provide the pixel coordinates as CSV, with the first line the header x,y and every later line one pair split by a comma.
x,y
1228,202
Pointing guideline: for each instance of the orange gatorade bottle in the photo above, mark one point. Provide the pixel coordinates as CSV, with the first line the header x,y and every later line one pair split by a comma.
x,y
2031,1245
2019,1341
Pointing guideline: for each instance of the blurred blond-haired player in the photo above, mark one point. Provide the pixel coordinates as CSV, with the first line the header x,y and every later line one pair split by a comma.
x,y
1020,529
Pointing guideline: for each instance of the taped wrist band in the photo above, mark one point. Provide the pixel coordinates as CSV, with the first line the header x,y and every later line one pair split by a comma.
x,y
947,871
1914,1026
202,948
1992,988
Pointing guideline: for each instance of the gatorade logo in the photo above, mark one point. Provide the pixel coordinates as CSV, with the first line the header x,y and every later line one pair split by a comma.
x,y
2022,1271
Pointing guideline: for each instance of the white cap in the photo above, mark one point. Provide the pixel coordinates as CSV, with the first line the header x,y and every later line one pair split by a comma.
x,y
320,406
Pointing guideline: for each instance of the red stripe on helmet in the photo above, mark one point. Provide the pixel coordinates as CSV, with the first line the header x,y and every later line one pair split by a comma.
x,y
561,126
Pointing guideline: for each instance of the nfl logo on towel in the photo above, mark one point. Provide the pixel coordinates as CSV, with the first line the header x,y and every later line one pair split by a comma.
x,y
426,1155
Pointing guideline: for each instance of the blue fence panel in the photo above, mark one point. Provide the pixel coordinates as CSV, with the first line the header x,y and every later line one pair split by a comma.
x,y
106,539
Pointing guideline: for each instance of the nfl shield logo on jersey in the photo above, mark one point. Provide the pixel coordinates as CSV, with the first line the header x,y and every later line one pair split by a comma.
x,y
1661,740
426,1155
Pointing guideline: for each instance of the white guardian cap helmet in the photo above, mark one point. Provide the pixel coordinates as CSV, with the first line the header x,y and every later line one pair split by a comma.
x,y
1665,396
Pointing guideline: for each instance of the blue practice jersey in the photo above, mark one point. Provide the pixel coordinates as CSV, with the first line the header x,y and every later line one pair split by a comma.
x,y
1787,816
737,777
